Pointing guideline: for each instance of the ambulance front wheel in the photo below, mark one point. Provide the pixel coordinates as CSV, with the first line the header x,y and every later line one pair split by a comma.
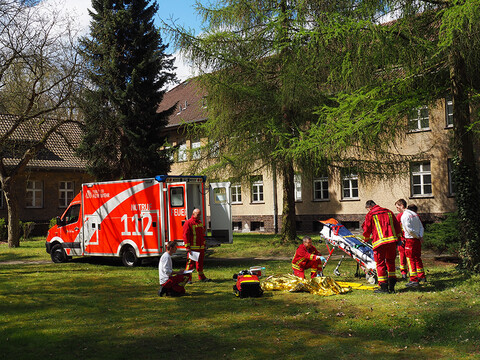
x,y
129,257
58,255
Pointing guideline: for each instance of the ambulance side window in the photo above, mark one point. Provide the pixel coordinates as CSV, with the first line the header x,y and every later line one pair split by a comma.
x,y
176,197
72,214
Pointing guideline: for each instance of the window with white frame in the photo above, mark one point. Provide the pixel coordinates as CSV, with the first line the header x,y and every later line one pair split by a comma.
x,y
451,183
169,153
350,186
320,188
34,194
182,152
421,179
257,189
297,179
236,190
196,149
65,193
418,119
214,149
449,111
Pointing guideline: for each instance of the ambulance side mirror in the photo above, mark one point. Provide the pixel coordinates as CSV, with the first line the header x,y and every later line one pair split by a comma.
x,y
60,222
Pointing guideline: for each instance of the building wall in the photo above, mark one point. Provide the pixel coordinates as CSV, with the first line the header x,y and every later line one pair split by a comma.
x,y
430,145
50,206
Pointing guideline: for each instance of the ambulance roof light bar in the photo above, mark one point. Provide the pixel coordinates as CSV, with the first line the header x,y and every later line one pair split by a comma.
x,y
186,178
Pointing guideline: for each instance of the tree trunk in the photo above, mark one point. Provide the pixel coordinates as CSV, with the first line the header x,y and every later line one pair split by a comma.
x,y
13,218
289,228
465,175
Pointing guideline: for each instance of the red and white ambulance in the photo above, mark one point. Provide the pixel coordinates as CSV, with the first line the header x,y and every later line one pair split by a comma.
x,y
130,219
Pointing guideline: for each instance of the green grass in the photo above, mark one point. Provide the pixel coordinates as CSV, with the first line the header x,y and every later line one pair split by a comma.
x,y
91,309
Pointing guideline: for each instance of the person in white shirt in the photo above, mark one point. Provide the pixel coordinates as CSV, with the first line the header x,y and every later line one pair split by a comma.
x,y
172,283
413,231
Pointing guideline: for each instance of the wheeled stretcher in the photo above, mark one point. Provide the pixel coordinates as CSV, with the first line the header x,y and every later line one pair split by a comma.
x,y
338,236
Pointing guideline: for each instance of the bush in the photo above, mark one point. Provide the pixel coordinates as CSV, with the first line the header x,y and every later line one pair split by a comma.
x,y
52,222
444,236
26,228
3,230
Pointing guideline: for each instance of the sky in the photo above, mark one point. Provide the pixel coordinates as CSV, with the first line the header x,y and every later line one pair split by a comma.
x,y
181,11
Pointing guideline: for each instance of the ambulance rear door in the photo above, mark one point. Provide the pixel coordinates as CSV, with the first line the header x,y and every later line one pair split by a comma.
x,y
176,210
221,212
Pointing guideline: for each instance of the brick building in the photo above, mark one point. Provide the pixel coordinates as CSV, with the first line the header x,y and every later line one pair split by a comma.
x,y
51,179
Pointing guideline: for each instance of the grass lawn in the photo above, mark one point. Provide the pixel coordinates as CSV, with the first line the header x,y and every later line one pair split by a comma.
x,y
91,309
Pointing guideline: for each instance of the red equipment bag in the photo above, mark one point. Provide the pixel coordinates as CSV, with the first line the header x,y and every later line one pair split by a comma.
x,y
247,286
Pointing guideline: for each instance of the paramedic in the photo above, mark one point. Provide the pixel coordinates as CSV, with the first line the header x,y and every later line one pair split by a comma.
x,y
413,229
400,205
172,283
385,232
307,257
194,240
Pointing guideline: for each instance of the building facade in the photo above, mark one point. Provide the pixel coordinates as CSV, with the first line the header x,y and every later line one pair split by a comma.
x,y
51,180
256,201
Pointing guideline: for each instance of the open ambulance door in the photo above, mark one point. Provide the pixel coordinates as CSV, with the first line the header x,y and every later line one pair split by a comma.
x,y
221,212
176,211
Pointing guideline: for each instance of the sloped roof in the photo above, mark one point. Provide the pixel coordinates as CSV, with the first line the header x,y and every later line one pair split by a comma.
x,y
58,152
189,97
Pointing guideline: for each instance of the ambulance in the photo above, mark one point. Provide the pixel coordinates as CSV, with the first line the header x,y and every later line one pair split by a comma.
x,y
135,219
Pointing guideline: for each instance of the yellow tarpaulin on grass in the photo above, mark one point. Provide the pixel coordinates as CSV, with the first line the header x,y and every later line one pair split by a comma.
x,y
324,286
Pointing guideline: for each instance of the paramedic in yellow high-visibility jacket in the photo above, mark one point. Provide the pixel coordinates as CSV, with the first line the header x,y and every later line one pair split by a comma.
x,y
383,228
194,240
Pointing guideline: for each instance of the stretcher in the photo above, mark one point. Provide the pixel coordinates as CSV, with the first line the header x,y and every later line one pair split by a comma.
x,y
338,236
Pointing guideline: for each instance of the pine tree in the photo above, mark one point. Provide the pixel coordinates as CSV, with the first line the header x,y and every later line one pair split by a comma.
x,y
128,70
261,90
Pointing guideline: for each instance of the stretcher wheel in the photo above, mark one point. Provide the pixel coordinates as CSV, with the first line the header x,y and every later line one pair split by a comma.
x,y
336,272
371,279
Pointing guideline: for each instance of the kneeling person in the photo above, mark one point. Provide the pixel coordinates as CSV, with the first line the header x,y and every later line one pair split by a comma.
x,y
307,257
172,283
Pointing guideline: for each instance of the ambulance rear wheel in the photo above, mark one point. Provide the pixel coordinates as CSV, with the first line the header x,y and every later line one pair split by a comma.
x,y
57,253
129,257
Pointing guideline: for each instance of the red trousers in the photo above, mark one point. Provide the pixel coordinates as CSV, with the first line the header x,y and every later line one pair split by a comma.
x,y
403,258
413,251
384,257
176,283
315,265
198,264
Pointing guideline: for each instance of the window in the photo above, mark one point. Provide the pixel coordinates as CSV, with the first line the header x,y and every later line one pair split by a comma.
x,y
257,226
182,152
297,179
421,179
236,193
418,119
220,195
257,189
320,189
196,149
72,214
350,186
169,152
449,111
176,196
34,196
65,193
451,183
214,149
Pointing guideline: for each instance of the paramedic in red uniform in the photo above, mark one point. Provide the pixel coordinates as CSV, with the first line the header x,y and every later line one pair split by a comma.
x,y
384,229
172,283
194,240
307,257
401,205
413,229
